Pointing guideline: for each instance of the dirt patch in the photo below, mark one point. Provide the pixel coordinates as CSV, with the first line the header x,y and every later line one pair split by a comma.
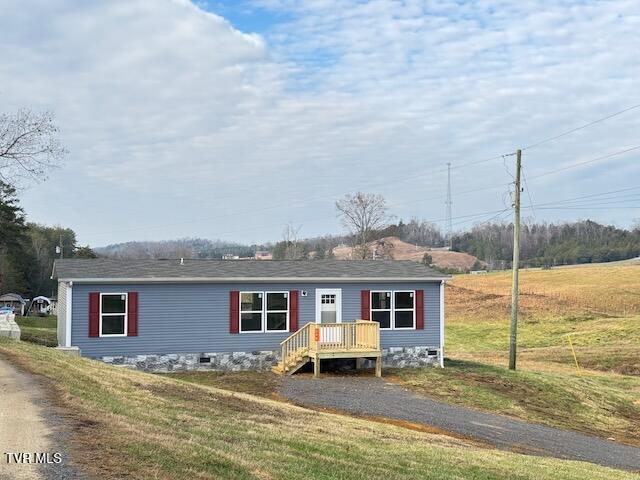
x,y
397,249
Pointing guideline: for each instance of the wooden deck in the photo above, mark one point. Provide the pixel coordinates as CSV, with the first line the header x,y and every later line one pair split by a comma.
x,y
318,341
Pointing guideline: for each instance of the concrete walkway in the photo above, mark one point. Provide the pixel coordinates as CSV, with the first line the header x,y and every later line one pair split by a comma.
x,y
375,397
28,424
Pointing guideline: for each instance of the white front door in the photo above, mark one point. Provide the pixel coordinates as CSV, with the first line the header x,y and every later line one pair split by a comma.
x,y
328,305
329,310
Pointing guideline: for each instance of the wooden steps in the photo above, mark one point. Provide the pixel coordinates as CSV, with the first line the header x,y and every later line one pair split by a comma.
x,y
317,341
292,366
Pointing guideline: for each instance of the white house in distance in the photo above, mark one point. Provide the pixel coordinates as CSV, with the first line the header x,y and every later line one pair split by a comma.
x,y
16,301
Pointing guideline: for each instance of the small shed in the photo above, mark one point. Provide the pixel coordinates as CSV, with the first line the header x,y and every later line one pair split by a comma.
x,y
14,300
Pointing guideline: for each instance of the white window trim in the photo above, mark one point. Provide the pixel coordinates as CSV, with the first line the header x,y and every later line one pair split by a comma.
x,y
240,312
413,310
68,307
392,310
126,315
329,291
266,311
263,312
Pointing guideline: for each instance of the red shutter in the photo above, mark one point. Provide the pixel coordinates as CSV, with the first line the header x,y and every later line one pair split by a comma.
x,y
293,310
419,309
365,297
234,311
132,314
94,314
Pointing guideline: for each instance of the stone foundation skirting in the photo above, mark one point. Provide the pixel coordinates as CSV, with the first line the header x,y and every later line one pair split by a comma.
x,y
183,362
407,357
393,357
400,357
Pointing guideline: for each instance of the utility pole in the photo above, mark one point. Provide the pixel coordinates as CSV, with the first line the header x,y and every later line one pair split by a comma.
x,y
448,205
516,265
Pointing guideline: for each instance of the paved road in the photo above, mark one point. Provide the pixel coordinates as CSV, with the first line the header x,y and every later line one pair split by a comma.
x,y
29,424
375,397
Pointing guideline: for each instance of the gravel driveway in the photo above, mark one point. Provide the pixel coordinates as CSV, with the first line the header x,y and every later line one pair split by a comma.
x,y
30,424
375,397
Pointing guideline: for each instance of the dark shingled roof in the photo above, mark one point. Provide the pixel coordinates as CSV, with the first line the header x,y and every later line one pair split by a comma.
x,y
212,270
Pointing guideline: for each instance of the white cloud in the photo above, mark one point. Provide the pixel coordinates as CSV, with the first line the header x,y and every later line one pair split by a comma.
x,y
173,115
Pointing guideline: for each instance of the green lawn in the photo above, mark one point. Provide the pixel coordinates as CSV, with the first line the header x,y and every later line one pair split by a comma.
x,y
136,425
597,306
40,330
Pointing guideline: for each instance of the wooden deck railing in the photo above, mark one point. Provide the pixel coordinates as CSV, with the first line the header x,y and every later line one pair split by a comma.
x,y
296,345
343,337
318,338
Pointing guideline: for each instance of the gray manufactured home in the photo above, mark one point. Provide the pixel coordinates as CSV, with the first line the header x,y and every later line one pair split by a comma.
x,y
165,315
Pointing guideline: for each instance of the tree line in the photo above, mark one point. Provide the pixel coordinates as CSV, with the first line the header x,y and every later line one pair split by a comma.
x,y
549,244
180,248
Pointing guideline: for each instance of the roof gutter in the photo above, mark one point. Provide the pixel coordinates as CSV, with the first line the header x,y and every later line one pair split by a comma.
x,y
254,279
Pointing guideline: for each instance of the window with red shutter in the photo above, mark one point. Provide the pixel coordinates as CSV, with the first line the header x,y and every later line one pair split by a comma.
x,y
132,314
94,314
234,311
419,309
293,310
364,305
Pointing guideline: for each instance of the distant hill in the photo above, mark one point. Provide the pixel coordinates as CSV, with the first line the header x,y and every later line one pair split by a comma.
x,y
396,249
185,248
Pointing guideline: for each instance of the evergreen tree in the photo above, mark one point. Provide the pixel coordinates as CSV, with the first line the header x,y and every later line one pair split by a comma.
x,y
12,240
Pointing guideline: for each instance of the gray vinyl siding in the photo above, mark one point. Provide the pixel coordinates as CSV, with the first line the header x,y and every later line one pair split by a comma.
x,y
62,312
194,317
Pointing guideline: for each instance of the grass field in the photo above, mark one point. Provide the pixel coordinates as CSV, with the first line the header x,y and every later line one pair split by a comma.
x,y
40,330
134,425
599,306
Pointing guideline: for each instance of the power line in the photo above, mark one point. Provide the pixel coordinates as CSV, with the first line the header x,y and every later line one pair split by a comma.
x,y
271,207
526,186
581,197
494,217
288,203
631,207
579,164
568,132
493,214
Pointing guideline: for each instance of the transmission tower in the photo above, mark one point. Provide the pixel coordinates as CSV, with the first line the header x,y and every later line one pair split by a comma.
x,y
448,205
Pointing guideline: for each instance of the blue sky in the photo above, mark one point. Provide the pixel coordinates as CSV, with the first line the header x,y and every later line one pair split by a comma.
x,y
224,119
246,16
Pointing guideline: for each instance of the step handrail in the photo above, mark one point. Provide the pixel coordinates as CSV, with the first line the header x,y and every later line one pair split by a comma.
x,y
313,338
295,344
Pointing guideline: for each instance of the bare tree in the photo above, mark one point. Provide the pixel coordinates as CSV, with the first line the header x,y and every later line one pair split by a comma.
x,y
28,145
363,214
291,248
